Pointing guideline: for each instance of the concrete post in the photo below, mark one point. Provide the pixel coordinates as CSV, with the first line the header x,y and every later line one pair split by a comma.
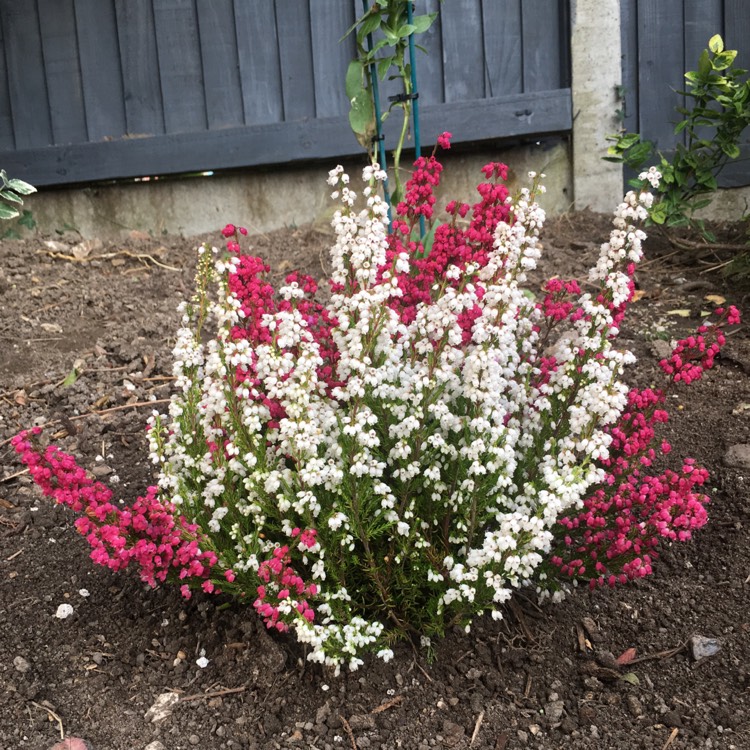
x,y
596,72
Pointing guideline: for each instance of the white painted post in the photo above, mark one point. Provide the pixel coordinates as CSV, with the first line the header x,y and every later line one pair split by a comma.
x,y
596,73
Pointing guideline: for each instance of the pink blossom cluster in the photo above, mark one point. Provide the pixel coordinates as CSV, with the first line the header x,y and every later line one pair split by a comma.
x,y
282,593
613,539
149,533
697,352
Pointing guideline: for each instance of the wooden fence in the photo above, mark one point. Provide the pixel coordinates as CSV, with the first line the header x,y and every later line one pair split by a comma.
x,y
105,89
661,39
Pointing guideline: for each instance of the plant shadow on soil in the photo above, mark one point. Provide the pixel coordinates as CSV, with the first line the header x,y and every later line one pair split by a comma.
x,y
522,682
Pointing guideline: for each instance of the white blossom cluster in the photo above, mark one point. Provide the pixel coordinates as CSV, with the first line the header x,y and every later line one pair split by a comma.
x,y
438,464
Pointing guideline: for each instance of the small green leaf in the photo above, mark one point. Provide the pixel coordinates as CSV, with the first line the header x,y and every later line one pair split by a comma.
x,y
8,212
632,678
354,78
27,220
9,195
384,66
704,64
362,114
369,24
732,150
658,213
70,378
21,187
422,23
406,30
716,44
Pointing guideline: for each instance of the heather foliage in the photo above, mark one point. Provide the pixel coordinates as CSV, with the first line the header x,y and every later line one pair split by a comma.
x,y
401,457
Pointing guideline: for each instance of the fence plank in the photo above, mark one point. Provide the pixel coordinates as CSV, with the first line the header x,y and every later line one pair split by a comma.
x,y
501,27
329,19
7,141
27,85
101,75
430,81
661,68
703,19
180,69
258,54
140,67
295,55
543,58
277,143
221,73
463,53
737,27
629,42
57,26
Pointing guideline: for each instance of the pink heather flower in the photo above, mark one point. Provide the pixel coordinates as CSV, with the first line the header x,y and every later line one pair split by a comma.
x,y
444,140
229,575
229,231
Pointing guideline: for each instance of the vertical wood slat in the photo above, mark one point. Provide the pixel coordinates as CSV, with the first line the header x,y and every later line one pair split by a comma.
x,y
140,67
7,141
737,28
661,68
180,71
328,22
221,72
463,56
629,42
27,86
501,27
542,52
430,80
258,53
703,19
57,25
295,56
101,74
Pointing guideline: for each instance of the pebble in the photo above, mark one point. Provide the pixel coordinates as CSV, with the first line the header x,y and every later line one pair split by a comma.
x,y
162,707
634,706
361,722
702,647
554,712
194,739
738,456
64,611
72,743
155,745
21,665
102,470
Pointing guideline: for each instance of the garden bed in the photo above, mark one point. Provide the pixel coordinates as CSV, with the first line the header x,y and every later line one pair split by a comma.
x,y
86,332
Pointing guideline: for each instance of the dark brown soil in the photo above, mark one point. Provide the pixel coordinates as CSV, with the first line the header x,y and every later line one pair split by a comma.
x,y
520,683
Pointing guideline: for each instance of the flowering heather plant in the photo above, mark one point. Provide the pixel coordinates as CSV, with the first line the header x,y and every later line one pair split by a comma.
x,y
400,458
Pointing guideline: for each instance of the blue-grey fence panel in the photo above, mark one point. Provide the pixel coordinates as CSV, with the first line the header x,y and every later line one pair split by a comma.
x,y
108,89
661,40
27,83
180,66
57,24
221,70
503,70
260,72
7,141
101,72
144,110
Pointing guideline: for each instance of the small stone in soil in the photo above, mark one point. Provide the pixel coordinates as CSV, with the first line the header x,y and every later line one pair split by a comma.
x,y
738,456
21,665
72,743
702,647
155,745
634,706
162,707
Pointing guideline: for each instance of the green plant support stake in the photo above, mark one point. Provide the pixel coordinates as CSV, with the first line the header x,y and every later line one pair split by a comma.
x,y
378,121
415,100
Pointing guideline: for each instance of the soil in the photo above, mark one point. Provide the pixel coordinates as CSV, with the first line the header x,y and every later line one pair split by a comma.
x,y
85,337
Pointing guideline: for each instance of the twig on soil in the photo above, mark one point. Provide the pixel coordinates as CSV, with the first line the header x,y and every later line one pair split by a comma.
x,y
708,246
109,256
52,715
15,555
348,730
215,694
14,476
717,267
388,704
477,727
135,405
671,739
660,654
518,612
